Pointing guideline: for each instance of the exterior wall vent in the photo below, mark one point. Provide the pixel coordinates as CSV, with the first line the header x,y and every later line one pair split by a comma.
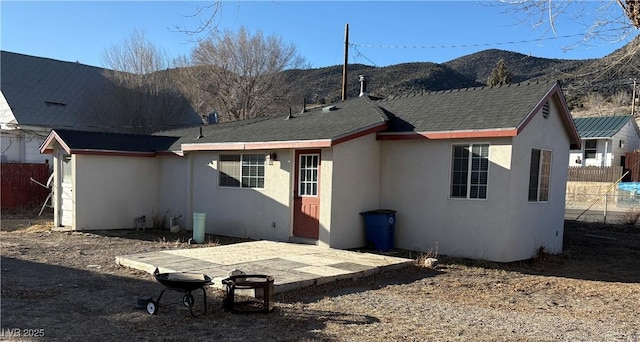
x,y
546,109
329,108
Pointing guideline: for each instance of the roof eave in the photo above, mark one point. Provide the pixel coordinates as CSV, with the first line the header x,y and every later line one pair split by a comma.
x,y
454,134
284,144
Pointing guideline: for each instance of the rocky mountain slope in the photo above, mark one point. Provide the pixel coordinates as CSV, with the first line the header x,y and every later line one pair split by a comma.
x,y
606,76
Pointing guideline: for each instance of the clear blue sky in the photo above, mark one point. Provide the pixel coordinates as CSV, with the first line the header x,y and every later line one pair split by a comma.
x,y
430,31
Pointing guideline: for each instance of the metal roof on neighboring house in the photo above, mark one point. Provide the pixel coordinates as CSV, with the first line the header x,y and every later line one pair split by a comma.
x,y
601,126
44,92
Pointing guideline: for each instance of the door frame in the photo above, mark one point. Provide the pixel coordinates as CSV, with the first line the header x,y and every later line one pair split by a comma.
x,y
298,201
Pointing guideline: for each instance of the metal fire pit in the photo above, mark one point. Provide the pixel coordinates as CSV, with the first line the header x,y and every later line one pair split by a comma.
x,y
184,282
255,282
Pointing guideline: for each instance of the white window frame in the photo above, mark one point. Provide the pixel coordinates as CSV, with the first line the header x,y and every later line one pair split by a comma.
x,y
309,182
248,173
470,173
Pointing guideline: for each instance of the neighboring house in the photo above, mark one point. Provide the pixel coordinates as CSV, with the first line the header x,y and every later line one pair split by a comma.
x,y
605,140
476,173
40,94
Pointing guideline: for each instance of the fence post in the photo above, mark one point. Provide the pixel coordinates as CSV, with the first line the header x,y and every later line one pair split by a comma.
x,y
604,219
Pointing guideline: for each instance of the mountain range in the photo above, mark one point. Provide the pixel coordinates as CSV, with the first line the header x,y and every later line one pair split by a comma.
x,y
606,76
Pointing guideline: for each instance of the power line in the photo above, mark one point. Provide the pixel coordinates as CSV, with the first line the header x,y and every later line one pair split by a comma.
x,y
459,46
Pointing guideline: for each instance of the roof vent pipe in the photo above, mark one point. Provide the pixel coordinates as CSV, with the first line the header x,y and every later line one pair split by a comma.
x,y
304,105
363,85
200,134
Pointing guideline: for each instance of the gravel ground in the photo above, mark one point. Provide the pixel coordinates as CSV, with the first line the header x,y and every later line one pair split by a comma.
x,y
63,286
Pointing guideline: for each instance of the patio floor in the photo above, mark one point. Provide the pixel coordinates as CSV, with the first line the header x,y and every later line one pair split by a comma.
x,y
291,265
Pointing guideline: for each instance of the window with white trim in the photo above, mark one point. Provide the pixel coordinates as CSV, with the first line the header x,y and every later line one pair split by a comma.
x,y
539,175
241,170
308,176
470,171
590,148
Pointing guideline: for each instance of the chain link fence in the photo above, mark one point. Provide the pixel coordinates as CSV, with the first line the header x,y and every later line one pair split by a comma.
x,y
614,204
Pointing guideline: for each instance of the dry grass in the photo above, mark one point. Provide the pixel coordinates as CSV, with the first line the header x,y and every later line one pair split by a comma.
x,y
68,285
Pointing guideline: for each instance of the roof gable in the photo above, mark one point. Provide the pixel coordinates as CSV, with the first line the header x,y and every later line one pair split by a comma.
x,y
473,112
601,126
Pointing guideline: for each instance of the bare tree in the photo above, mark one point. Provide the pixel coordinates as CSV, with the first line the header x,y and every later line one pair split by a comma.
x,y
147,97
239,75
206,16
612,21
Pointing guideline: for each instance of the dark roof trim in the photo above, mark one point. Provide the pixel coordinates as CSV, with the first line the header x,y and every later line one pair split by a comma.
x,y
287,144
493,133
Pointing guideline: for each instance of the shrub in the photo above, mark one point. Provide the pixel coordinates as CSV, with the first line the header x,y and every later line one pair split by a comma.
x,y
631,217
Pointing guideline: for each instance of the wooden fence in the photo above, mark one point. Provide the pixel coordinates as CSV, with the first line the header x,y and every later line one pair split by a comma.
x,y
632,163
594,174
17,191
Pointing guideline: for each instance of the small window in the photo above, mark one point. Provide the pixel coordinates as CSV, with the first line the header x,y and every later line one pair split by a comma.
x,y
539,175
66,169
590,149
241,170
470,171
621,143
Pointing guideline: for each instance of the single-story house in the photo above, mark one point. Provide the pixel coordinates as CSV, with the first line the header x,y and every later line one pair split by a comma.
x,y
605,140
477,173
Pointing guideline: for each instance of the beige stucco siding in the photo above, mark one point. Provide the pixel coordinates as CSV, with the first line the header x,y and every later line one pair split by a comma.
x,y
242,212
355,187
173,185
416,183
539,224
111,191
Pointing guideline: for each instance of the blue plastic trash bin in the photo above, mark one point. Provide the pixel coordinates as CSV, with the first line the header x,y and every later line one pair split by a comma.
x,y
380,226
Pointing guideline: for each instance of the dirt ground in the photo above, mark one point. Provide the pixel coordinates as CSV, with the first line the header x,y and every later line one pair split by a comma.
x,y
65,286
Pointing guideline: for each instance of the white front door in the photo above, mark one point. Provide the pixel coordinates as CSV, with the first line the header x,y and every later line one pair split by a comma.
x,y
66,192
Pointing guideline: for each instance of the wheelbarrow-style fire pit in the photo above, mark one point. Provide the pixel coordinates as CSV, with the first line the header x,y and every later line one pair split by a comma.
x,y
184,282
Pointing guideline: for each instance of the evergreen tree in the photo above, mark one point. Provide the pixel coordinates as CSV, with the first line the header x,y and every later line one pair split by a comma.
x,y
500,75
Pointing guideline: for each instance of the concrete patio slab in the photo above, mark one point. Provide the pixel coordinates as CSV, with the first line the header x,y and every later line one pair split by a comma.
x,y
291,265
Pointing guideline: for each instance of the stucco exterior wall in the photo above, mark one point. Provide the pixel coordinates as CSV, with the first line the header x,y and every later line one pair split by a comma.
x,y
355,187
538,224
173,189
241,212
416,182
111,191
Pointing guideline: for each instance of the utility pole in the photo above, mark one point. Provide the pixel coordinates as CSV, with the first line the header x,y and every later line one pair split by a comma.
x,y
633,99
346,60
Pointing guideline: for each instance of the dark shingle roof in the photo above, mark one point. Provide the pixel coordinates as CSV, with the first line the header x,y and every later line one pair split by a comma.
x,y
487,108
466,109
601,126
102,141
50,93
347,118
